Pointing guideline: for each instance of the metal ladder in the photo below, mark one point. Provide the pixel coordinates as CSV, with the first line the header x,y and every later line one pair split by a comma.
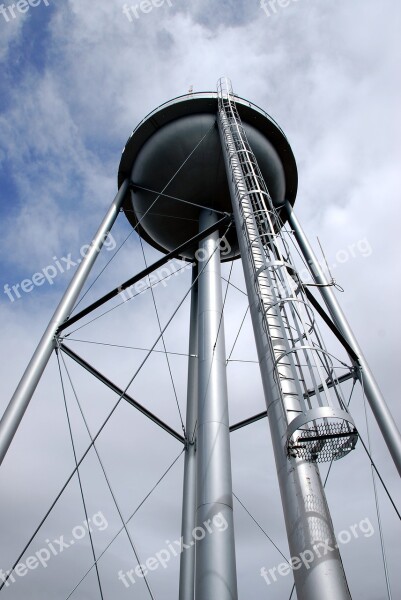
x,y
303,369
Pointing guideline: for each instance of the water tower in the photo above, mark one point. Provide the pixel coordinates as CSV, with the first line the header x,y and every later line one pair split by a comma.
x,y
203,172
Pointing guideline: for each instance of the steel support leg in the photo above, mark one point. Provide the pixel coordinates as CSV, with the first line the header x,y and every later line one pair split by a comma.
x,y
215,574
187,559
374,396
23,394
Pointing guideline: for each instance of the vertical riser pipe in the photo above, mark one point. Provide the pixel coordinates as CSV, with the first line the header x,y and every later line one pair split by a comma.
x,y
215,554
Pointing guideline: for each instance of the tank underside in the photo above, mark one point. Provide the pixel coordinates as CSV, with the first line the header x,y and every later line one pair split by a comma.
x,y
161,156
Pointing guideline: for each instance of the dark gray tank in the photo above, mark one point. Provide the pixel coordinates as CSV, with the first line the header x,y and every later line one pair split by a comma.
x,y
166,138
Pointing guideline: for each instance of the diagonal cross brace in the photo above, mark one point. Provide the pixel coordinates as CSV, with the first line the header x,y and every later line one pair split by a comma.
x,y
78,359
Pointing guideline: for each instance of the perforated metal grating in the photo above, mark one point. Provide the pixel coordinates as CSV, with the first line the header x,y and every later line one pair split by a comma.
x,y
322,442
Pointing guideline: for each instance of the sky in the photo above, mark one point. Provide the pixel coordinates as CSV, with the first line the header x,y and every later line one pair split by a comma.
x,y
76,79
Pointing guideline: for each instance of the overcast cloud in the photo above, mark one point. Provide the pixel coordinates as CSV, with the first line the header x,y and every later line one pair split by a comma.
x,y
76,78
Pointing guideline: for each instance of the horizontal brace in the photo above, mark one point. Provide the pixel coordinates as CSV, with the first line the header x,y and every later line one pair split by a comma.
x,y
248,421
308,394
78,359
330,384
159,263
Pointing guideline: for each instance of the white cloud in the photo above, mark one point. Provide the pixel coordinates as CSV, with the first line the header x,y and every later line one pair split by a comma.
x,y
327,74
